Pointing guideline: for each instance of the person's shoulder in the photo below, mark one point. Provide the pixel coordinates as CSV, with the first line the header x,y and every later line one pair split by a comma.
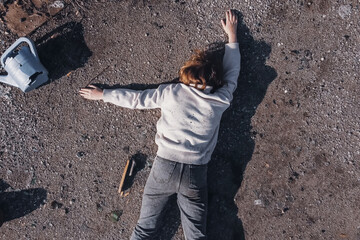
x,y
175,86
178,89
170,88
164,86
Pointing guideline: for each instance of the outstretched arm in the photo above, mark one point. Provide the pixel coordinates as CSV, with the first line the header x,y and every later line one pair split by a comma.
x,y
134,99
231,60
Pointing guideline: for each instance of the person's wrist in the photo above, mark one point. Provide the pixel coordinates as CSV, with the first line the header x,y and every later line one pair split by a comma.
x,y
232,38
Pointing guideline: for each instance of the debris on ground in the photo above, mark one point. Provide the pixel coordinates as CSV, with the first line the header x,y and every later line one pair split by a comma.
x,y
23,17
115,215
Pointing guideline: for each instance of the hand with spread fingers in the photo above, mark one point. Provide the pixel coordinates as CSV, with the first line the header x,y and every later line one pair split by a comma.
x,y
91,92
229,25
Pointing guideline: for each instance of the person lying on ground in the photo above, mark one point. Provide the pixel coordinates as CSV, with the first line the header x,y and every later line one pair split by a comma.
x,y
187,133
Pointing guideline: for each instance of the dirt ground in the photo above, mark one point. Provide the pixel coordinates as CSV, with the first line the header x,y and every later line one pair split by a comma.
x,y
286,165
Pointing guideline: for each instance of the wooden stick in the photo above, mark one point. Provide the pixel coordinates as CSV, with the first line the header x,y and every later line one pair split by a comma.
x,y
123,177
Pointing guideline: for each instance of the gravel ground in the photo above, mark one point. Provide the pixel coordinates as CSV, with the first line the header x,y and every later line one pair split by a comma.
x,y
287,161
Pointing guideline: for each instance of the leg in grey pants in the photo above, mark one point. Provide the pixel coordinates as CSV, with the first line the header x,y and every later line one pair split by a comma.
x,y
166,178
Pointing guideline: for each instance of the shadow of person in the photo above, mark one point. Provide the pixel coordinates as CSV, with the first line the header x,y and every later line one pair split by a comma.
x,y
16,204
235,144
63,50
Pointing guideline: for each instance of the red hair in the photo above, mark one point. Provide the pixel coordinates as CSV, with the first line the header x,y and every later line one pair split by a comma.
x,y
204,68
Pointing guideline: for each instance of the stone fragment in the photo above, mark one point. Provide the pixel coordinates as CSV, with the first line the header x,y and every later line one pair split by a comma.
x,y
344,11
56,205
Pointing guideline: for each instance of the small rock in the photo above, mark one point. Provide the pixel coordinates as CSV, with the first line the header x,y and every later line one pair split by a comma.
x,y
56,205
80,154
57,4
126,149
258,202
344,11
99,207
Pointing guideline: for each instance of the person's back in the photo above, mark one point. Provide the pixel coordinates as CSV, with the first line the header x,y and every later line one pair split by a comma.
x,y
188,128
190,116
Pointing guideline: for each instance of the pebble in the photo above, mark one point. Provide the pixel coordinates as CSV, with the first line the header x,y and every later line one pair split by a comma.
x,y
80,154
344,11
57,4
56,205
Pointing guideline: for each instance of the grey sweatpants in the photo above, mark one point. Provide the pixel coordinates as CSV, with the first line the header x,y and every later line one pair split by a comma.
x,y
167,178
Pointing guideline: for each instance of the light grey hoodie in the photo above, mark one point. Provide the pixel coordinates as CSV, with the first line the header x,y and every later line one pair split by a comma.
x,y
188,128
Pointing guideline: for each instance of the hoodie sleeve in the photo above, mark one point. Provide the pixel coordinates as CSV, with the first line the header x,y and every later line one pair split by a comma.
x,y
231,67
135,99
